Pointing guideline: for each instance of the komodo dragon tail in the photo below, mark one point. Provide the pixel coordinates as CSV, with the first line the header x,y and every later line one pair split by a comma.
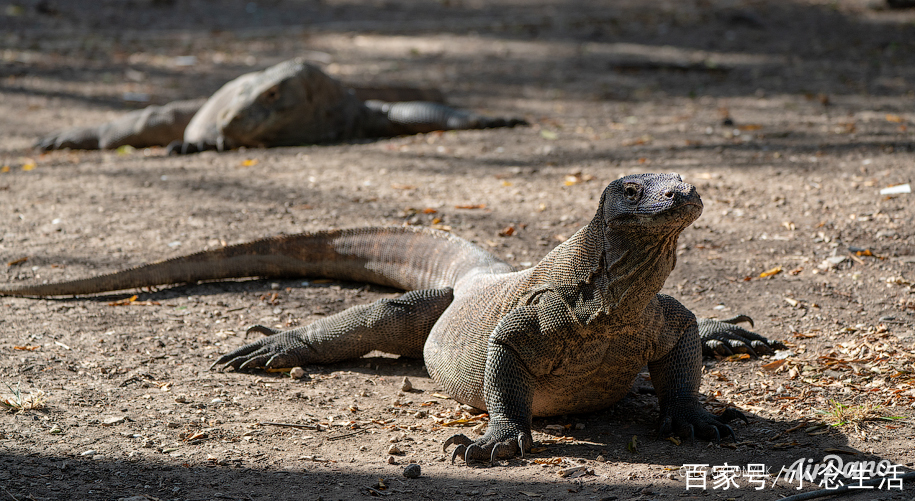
x,y
403,257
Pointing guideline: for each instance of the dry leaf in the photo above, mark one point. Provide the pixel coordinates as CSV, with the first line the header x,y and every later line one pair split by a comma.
x,y
507,231
771,366
14,262
893,118
249,162
771,272
26,348
470,206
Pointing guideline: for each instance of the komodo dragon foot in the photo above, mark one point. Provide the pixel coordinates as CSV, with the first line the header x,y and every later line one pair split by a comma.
x,y
725,338
499,442
690,420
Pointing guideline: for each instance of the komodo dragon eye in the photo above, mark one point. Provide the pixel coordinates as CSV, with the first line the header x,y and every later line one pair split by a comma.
x,y
633,191
271,95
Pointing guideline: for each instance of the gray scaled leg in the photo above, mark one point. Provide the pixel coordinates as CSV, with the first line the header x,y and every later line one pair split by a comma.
x,y
398,326
520,349
725,338
676,377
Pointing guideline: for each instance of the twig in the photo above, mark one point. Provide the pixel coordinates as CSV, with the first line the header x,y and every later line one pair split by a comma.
x,y
845,489
291,425
10,493
338,437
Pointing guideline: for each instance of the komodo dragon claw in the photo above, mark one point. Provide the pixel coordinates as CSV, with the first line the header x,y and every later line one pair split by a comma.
x,y
691,420
725,338
488,448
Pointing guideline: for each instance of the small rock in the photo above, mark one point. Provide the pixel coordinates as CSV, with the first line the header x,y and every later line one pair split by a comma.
x,y
419,414
297,373
90,452
392,460
55,430
600,459
412,471
113,420
180,399
216,400
406,385
394,450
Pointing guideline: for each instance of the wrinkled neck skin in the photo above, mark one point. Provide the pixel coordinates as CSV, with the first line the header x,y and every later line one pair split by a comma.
x,y
624,268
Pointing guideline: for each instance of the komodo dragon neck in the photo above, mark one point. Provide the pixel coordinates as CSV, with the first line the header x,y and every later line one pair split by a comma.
x,y
622,269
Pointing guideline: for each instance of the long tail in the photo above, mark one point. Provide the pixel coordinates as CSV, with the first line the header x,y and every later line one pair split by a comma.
x,y
403,257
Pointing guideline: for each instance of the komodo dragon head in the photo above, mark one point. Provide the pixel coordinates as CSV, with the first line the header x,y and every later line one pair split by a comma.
x,y
649,204
289,104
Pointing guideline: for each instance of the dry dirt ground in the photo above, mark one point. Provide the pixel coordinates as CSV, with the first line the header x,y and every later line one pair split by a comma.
x,y
789,117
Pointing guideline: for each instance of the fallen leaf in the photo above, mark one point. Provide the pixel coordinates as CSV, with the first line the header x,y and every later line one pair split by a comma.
x,y
771,366
28,166
14,262
470,206
771,272
749,127
632,445
26,348
507,231
123,302
249,162
429,210
548,134
893,118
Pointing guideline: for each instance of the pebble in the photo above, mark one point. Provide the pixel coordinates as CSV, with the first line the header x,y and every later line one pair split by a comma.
x,y
90,452
113,420
406,385
412,471
297,373
394,450
392,460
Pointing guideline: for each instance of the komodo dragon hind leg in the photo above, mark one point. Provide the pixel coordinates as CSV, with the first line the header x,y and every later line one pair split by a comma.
x,y
725,338
398,326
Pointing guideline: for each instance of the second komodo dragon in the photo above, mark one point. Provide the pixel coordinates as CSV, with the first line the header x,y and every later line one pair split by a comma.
x,y
566,336
293,103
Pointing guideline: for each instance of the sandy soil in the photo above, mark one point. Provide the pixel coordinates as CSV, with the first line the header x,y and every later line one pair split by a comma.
x,y
788,116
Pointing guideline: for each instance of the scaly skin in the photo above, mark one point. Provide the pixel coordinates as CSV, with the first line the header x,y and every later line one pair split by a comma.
x,y
293,103
568,335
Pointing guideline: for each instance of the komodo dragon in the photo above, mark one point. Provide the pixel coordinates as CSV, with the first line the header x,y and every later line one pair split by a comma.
x,y
568,335
293,103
